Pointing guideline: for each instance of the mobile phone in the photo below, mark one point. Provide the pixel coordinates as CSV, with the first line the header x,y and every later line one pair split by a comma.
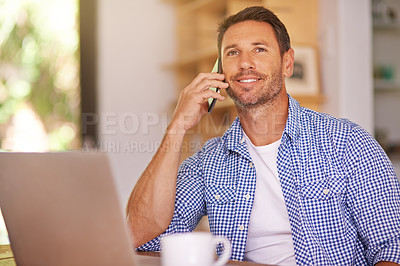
x,y
211,101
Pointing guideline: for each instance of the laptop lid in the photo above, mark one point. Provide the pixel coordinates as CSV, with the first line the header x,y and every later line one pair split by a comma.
x,y
63,209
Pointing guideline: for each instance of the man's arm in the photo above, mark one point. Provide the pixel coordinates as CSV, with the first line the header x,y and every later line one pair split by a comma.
x,y
374,198
151,204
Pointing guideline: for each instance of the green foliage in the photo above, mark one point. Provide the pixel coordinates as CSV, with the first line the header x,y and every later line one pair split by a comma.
x,y
39,66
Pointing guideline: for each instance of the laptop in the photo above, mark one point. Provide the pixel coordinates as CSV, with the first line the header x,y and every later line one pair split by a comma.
x,y
63,209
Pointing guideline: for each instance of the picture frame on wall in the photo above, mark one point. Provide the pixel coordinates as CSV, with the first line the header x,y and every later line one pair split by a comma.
x,y
305,78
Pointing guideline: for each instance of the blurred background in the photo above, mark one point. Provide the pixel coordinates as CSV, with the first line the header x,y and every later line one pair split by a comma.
x,y
105,75
39,75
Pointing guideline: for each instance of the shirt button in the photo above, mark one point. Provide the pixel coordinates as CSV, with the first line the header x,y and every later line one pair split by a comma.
x,y
217,197
247,196
326,191
241,228
251,164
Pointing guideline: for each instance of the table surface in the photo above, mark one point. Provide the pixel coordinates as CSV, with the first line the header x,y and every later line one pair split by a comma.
x,y
6,255
144,258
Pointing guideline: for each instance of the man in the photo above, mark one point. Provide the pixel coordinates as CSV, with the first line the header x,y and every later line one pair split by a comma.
x,y
285,184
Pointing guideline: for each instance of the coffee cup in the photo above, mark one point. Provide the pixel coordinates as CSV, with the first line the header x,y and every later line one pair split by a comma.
x,y
194,249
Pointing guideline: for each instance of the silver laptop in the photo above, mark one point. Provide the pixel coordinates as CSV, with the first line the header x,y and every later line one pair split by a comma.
x,y
63,209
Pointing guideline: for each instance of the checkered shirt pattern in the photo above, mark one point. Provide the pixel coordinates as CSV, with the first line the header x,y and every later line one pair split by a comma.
x,y
340,189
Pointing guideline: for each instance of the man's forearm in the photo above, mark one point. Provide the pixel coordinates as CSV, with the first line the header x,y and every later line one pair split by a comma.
x,y
151,205
386,263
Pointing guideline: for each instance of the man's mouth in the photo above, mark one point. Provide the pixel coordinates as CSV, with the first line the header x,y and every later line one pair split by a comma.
x,y
247,77
247,80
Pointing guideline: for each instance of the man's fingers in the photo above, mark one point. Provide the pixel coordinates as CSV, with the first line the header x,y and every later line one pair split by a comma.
x,y
205,80
210,93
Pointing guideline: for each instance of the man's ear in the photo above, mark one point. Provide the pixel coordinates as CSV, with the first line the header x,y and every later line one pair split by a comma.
x,y
288,63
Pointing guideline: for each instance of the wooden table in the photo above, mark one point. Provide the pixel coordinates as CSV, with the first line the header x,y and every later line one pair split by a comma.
x,y
7,258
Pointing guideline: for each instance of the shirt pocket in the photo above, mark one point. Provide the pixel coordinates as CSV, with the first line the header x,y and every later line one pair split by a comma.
x,y
219,195
220,204
324,208
323,189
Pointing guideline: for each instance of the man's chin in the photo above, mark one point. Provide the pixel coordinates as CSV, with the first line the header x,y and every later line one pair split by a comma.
x,y
252,103
245,104
236,99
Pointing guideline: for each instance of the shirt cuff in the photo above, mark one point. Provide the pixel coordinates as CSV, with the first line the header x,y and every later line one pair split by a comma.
x,y
390,253
152,245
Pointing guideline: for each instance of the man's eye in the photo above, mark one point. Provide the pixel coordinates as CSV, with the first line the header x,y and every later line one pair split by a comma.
x,y
232,53
260,49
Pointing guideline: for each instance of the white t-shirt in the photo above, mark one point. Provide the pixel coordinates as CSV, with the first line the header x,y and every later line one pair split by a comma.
x,y
269,237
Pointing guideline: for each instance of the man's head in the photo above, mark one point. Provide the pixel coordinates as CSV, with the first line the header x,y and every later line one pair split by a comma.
x,y
256,57
260,14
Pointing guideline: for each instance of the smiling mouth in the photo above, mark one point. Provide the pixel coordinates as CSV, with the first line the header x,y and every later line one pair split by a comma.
x,y
247,80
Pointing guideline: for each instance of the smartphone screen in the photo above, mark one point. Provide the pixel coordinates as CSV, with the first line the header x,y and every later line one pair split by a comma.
x,y
216,69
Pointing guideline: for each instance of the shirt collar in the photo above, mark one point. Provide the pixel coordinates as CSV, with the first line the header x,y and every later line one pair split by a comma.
x,y
292,129
234,137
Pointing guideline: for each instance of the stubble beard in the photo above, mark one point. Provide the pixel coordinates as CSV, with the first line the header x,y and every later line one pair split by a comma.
x,y
271,88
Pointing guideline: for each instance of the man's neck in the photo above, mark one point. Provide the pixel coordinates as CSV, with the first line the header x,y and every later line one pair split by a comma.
x,y
265,124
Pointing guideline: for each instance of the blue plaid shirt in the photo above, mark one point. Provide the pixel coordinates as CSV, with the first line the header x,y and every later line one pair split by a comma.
x,y
340,191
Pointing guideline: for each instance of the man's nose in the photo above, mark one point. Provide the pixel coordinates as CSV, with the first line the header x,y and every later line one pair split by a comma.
x,y
246,62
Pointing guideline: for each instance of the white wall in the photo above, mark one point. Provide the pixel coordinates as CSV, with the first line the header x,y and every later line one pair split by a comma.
x,y
346,60
135,39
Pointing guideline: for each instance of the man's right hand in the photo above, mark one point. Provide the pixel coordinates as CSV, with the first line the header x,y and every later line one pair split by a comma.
x,y
192,103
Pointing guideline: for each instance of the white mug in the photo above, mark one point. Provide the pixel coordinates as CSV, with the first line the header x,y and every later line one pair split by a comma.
x,y
193,249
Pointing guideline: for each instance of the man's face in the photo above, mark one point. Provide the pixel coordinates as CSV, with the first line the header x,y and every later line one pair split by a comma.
x,y
252,63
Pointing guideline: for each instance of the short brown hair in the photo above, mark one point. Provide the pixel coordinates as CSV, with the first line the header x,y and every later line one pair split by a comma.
x,y
260,14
